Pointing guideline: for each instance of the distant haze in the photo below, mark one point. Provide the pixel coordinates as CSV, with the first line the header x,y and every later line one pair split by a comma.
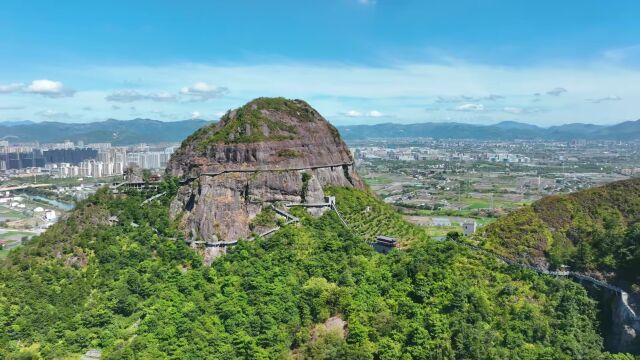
x,y
135,131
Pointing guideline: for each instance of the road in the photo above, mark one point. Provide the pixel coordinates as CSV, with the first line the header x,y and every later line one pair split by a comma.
x,y
22,187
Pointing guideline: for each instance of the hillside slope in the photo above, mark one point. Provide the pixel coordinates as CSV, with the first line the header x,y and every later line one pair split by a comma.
x,y
137,292
595,231
117,274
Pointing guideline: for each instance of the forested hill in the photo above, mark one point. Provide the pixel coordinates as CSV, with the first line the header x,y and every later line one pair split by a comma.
x,y
117,132
595,231
132,288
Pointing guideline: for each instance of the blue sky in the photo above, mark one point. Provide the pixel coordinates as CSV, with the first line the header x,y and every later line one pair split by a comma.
x,y
357,61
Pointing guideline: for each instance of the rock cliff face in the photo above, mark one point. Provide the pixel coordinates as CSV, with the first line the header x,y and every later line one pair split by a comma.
x,y
271,150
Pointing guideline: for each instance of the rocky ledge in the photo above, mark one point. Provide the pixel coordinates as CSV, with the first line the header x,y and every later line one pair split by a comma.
x,y
269,151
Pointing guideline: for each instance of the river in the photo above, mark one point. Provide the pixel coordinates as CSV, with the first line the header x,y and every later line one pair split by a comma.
x,y
59,204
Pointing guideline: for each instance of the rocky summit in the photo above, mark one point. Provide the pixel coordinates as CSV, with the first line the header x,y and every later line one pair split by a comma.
x,y
267,152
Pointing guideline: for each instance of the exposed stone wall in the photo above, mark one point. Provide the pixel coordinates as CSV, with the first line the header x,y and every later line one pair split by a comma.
x,y
220,208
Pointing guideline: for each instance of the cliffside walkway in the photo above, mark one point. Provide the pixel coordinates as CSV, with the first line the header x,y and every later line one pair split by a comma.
x,y
152,198
290,220
294,168
624,296
344,222
115,187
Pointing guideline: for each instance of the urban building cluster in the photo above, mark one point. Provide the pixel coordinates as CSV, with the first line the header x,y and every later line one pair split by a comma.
x,y
18,203
415,153
68,159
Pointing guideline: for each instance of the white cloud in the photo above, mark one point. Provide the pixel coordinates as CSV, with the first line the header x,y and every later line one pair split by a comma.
x,y
133,95
467,98
196,115
220,114
353,114
401,89
202,91
359,114
49,88
557,91
11,88
54,115
604,99
375,114
521,110
470,107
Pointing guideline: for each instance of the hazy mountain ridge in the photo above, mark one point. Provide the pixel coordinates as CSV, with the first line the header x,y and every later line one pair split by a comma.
x,y
507,130
118,132
125,132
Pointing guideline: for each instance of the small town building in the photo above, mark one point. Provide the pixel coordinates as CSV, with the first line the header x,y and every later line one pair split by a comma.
x,y
469,228
50,215
384,244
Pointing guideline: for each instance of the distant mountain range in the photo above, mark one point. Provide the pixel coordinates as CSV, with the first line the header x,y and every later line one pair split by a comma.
x,y
117,132
507,130
126,132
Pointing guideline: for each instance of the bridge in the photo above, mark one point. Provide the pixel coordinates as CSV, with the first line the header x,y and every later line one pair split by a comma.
x,y
26,186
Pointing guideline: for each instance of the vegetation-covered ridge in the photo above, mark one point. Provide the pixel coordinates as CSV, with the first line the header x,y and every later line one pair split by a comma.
x,y
594,230
130,288
262,119
117,132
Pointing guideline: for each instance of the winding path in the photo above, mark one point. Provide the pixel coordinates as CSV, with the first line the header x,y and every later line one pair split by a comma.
x,y
624,296
294,168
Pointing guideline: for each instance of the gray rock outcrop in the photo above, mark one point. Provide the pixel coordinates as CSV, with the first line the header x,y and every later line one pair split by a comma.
x,y
267,152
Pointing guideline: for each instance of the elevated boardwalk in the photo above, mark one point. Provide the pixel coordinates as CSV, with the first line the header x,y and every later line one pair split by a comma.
x,y
152,198
290,220
115,187
260,169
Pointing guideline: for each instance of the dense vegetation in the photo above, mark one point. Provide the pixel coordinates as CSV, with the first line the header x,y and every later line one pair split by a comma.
x,y
251,122
369,217
591,230
132,290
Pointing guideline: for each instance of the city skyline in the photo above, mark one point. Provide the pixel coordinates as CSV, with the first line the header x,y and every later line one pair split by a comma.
x,y
356,61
